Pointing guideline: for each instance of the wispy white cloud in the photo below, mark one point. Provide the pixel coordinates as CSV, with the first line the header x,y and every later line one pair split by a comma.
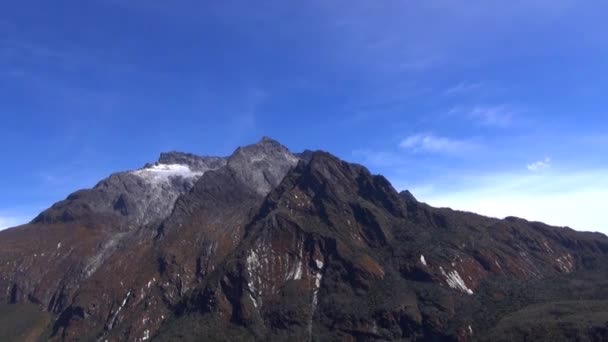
x,y
567,198
380,159
464,88
489,115
427,142
20,53
539,165
493,115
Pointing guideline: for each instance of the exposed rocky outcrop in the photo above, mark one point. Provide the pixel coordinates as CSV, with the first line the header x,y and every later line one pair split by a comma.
x,y
135,198
270,245
194,162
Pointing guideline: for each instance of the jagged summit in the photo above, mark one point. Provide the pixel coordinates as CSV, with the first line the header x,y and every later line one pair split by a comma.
x,y
265,146
268,140
196,163
262,165
148,195
266,244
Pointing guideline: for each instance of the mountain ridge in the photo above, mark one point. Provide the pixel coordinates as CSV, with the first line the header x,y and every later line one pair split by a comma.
x,y
267,244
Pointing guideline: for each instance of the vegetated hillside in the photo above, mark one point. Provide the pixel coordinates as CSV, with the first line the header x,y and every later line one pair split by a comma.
x,y
270,245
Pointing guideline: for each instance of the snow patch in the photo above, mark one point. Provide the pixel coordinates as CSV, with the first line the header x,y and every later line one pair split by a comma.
x,y
255,302
124,302
423,260
455,281
295,273
315,301
253,267
565,263
298,273
252,264
549,249
161,173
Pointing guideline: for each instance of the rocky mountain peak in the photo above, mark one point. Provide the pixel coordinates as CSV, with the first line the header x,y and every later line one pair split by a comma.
x,y
268,140
262,165
270,245
196,163
265,148
351,178
148,194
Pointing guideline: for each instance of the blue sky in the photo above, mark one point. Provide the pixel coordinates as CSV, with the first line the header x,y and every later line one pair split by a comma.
x,y
497,107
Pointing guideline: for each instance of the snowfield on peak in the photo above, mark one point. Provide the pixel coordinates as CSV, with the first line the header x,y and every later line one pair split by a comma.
x,y
163,172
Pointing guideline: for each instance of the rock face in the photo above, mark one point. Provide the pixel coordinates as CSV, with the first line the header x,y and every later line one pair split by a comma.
x,y
140,197
270,245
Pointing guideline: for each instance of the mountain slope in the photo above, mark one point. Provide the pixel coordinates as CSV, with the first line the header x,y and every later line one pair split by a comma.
x,y
266,244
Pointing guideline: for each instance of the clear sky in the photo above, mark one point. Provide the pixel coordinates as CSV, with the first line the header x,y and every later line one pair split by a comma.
x,y
498,107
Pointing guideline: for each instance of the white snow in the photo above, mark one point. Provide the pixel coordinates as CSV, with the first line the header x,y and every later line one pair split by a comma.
x,y
124,302
59,245
252,265
318,278
296,271
255,302
319,264
146,335
315,300
455,281
423,260
298,274
549,249
565,263
158,173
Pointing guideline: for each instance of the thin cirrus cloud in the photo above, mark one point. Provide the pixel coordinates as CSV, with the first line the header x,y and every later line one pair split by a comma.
x,y
463,88
22,53
428,142
487,115
539,165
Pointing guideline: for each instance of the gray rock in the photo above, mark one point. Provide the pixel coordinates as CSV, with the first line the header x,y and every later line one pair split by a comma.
x,y
262,166
148,195
196,163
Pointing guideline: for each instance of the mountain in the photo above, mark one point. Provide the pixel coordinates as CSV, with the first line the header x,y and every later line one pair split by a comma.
x,y
270,245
